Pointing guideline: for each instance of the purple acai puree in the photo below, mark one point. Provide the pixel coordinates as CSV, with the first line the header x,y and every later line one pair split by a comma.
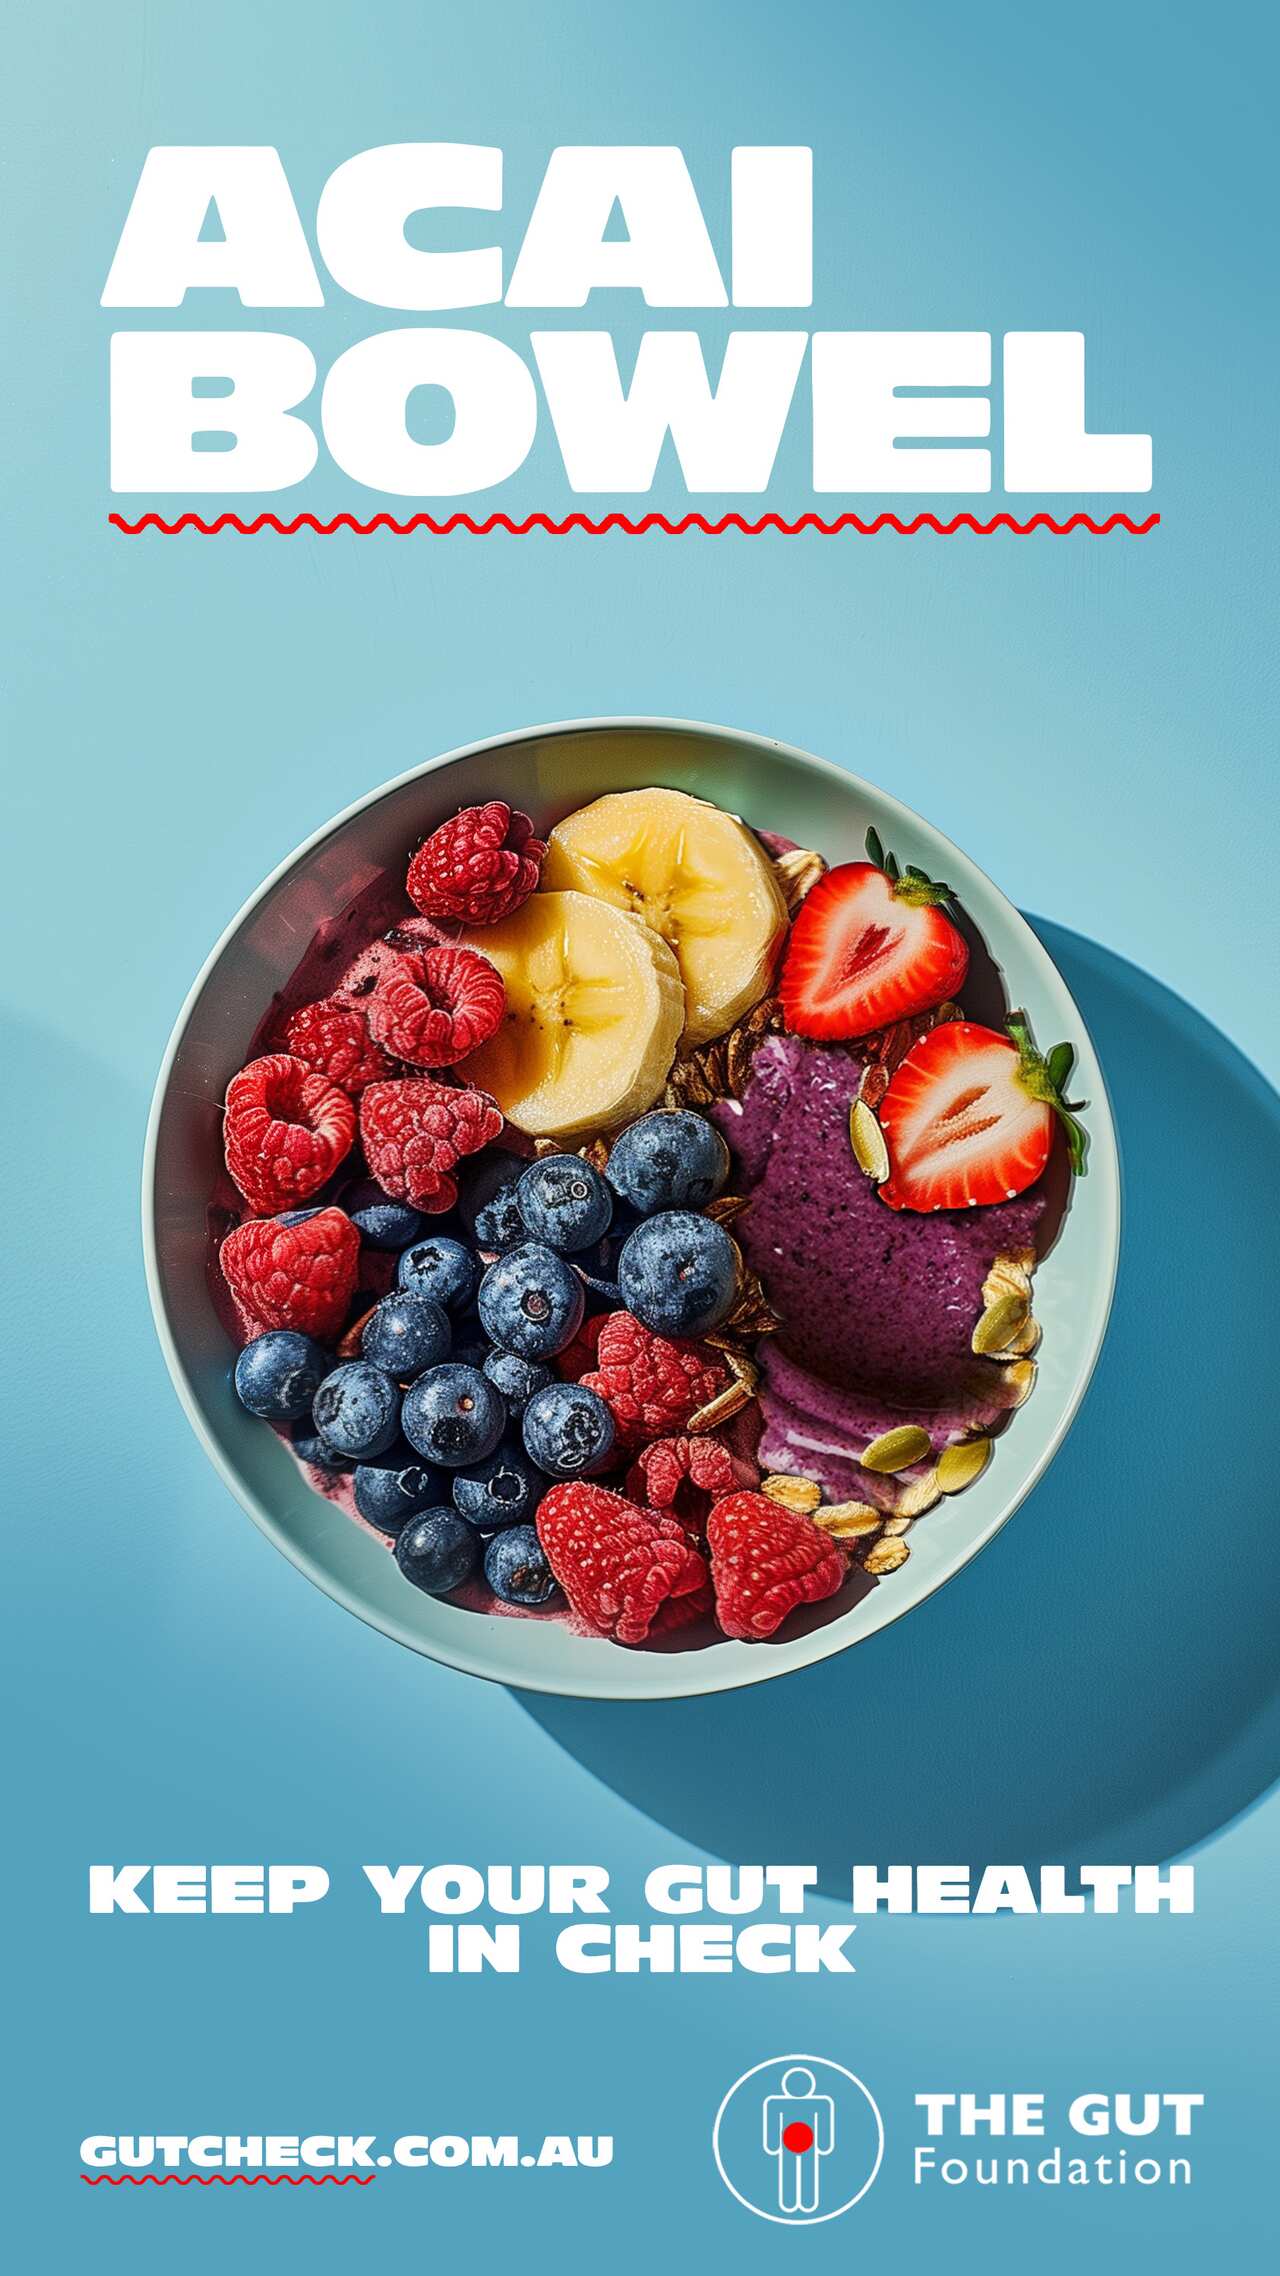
x,y
878,1305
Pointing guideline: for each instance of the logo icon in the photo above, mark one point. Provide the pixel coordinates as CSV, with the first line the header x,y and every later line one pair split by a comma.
x,y
798,2139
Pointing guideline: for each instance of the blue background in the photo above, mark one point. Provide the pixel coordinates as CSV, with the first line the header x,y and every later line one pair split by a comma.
x,y
1091,718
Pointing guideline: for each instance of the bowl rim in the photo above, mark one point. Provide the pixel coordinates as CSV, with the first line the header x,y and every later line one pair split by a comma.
x,y
821,1642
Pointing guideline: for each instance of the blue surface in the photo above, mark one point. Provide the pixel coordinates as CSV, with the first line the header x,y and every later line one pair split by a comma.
x,y
1091,720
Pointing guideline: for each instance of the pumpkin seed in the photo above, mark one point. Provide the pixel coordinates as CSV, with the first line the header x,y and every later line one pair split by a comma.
x,y
959,1465
867,1140
896,1450
999,1324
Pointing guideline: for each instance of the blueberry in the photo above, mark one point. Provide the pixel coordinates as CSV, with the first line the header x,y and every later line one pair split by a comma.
x,y
502,1490
405,1334
679,1273
278,1375
442,1269
516,1378
568,1431
671,1159
436,1551
488,1202
531,1302
298,1216
564,1202
311,1448
397,1487
516,1568
357,1409
453,1415
384,1223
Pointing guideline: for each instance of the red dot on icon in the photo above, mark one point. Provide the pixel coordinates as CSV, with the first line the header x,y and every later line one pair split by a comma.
x,y
797,2137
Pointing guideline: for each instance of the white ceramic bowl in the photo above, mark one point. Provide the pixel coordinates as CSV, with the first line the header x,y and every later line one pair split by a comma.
x,y
548,771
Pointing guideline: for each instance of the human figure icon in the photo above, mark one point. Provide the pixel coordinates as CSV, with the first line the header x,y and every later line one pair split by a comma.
x,y
799,2130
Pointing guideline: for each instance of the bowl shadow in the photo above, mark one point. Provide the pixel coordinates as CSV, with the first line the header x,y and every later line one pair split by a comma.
x,y
1104,1681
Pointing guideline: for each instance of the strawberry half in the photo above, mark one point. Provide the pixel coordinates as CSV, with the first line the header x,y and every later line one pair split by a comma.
x,y
871,944
968,1118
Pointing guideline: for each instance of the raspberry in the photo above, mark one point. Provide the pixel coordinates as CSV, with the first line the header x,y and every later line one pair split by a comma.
x,y
333,1037
434,1009
293,1276
286,1130
651,1385
683,1477
764,1562
620,1567
478,867
415,1132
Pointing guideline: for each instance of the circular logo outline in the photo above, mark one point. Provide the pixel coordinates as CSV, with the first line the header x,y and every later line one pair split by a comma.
x,y
804,2220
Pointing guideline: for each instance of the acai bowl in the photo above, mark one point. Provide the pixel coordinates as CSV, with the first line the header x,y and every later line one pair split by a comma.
x,y
824,1398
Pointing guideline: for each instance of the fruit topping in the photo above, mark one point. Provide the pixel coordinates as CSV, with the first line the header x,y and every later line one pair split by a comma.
x,y
516,1568
286,1130
594,1012
679,1273
477,868
684,1477
618,1565
764,1562
357,1409
437,1551
968,1118
415,1132
453,1415
432,1009
651,1385
697,876
569,1431
300,1275
516,1378
870,945
382,1222
503,1489
487,1202
406,1334
671,1159
278,1374
531,1302
564,1202
396,1487
333,1037
441,1268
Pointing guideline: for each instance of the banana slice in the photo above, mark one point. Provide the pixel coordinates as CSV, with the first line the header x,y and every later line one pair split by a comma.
x,y
694,874
594,1011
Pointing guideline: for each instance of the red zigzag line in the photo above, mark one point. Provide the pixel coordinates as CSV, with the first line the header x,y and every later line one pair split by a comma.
x,y
227,2180
629,528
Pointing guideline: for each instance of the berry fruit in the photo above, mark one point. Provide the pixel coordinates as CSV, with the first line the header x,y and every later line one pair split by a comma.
x,y
415,1133
477,867
516,1568
436,1551
293,1272
564,1202
382,1222
432,1009
569,1431
685,1477
396,1487
620,1567
504,1489
441,1268
453,1415
651,1385
285,1131
333,1037
679,1273
488,1205
315,1451
969,1116
870,945
278,1375
357,1409
517,1379
670,1159
764,1562
406,1333
531,1302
